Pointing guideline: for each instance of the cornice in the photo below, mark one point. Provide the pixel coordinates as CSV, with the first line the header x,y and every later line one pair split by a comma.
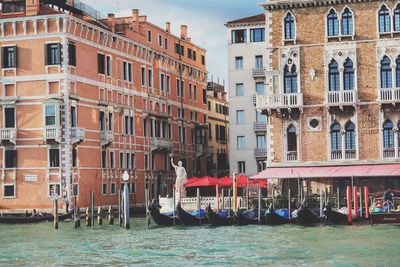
x,y
289,4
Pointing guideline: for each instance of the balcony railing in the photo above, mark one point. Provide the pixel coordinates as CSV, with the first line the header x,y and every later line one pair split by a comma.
x,y
77,134
341,97
255,100
350,154
278,101
52,133
258,72
389,152
389,95
8,135
260,126
336,154
291,156
260,152
106,137
161,143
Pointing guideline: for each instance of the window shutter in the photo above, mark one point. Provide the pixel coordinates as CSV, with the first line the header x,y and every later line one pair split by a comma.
x,y
2,57
14,158
14,58
46,54
58,54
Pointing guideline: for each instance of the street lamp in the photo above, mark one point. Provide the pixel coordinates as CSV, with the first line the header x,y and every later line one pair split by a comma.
x,y
125,177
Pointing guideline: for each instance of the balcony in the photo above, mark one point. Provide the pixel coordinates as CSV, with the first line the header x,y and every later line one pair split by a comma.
x,y
279,101
161,144
341,98
77,135
291,156
106,137
260,152
255,100
389,95
8,135
389,152
339,155
199,150
52,133
259,73
260,126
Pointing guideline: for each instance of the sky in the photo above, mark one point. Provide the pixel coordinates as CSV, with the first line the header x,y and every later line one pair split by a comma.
x,y
205,20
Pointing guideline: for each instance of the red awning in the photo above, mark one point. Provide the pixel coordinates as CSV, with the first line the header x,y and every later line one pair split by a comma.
x,y
242,181
386,170
202,182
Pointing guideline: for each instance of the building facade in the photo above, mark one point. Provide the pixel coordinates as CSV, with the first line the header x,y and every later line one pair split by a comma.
x,y
86,97
332,82
247,59
218,130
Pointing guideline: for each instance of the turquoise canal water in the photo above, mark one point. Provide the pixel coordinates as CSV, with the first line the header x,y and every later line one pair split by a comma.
x,y
41,245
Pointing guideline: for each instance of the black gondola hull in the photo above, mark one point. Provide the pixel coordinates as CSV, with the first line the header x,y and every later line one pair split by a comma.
x,y
242,220
336,217
271,218
162,219
34,219
188,219
306,217
216,220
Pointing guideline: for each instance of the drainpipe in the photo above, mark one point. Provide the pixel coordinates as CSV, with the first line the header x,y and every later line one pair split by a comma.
x,y
67,143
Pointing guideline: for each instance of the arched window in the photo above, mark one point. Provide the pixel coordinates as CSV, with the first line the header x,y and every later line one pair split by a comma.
x,y
291,138
289,27
334,79
396,18
386,73
290,80
333,23
398,72
384,19
348,75
347,22
336,137
388,134
350,136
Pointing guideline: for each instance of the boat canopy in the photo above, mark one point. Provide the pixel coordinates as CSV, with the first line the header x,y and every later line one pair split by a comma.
x,y
242,181
362,171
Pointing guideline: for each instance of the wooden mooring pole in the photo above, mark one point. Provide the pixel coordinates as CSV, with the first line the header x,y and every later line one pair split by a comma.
x,y
259,205
77,217
126,206
119,208
92,207
99,216
110,215
55,212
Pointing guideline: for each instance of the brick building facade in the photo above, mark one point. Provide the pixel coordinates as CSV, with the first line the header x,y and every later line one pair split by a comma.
x,y
333,79
85,97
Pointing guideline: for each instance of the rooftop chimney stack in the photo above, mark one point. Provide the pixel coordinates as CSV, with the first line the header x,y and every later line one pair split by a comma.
x,y
135,20
184,32
111,22
32,7
168,26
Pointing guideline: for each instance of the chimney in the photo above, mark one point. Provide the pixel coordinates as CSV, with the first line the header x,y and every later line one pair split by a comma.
x,y
168,26
184,31
32,7
111,22
135,20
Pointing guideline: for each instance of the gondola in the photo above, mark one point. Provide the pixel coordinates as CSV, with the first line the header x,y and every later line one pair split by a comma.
x,y
247,217
277,217
305,216
335,216
191,219
22,219
219,218
162,219
385,217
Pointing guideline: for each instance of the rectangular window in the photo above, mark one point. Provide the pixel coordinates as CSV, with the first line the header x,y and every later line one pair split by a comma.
x,y
160,40
133,164
182,88
54,188
110,121
189,53
149,36
127,68
203,60
145,127
128,160
204,96
239,36
104,190
239,89
257,35
11,7
168,84
9,57
166,43
71,54
53,54
100,63
73,116
259,62
195,93
108,66
240,117
103,159
112,160
102,121
178,87
143,76
261,165
240,143
131,122
260,88
150,76
242,166
74,157
9,190
54,157
162,81
239,63
194,56
190,91
10,158
121,160
50,114
261,141
260,117
9,114
146,162
113,189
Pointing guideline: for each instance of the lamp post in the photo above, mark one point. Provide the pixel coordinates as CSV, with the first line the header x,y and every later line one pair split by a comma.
x,y
125,178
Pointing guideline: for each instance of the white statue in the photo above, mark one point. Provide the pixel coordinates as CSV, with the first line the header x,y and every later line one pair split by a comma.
x,y
181,180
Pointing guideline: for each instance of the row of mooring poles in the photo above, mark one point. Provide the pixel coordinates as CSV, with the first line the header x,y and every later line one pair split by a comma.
x,y
352,194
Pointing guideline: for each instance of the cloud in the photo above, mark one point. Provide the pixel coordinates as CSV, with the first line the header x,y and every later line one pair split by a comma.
x,y
205,20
